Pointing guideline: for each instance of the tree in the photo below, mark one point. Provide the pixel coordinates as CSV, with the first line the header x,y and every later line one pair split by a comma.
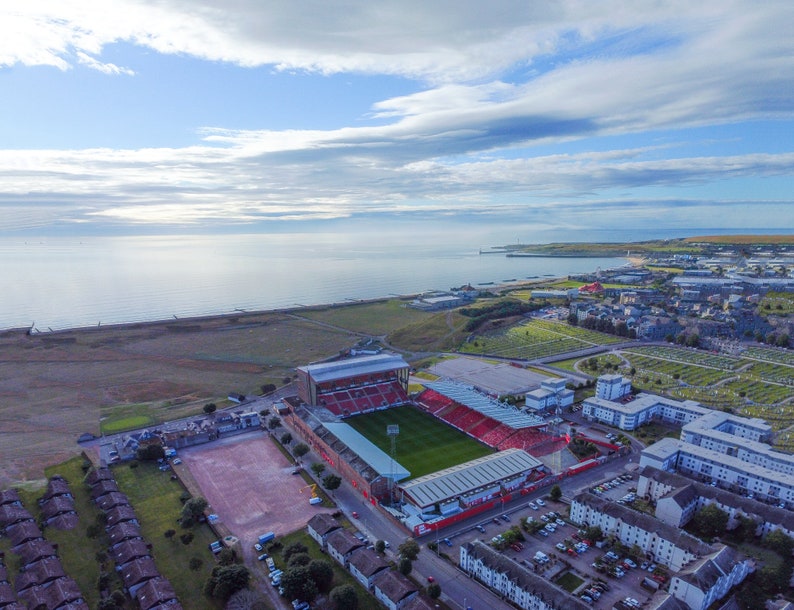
x,y
195,563
380,546
246,599
193,510
318,468
286,438
294,549
186,538
555,493
404,566
267,388
227,557
169,534
300,450
409,549
322,573
294,582
434,590
344,597
332,481
301,559
779,542
210,407
150,453
227,580
273,423
710,521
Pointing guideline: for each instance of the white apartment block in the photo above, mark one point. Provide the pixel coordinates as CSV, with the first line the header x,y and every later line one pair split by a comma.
x,y
725,470
709,579
644,408
660,542
524,588
678,498
551,394
613,387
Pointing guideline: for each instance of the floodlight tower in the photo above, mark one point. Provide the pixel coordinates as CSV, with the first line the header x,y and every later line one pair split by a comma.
x,y
392,430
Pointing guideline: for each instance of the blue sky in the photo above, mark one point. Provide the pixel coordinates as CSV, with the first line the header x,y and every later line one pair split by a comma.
x,y
176,115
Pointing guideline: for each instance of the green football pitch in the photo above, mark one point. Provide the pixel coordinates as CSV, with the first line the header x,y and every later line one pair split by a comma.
x,y
424,444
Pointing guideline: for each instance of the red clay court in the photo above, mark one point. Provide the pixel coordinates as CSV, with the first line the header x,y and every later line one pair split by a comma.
x,y
249,485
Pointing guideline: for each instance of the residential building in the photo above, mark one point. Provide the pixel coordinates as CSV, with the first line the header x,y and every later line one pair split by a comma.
x,y
321,526
394,590
521,586
366,565
341,544
709,578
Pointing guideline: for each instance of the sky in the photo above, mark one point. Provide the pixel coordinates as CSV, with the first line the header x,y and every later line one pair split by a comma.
x,y
142,116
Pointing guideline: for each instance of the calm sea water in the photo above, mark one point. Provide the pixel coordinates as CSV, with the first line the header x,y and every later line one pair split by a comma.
x,y
68,282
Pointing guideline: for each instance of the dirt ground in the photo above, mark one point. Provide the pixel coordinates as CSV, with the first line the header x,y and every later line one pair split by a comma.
x,y
249,485
56,386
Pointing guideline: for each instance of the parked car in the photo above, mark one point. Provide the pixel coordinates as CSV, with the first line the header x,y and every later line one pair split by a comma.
x,y
505,518
540,502
533,506
543,533
447,541
480,528
430,579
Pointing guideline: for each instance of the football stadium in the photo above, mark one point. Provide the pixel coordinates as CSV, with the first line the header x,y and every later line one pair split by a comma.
x,y
430,459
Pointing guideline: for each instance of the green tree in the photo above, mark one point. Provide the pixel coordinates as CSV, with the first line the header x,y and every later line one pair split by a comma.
x,y
293,581
380,546
227,580
332,481
404,566
227,557
710,521
273,423
322,573
409,549
434,590
344,597
555,493
295,548
318,468
169,534
195,563
193,510
268,388
286,438
150,453
300,450
186,538
779,542
210,407
301,559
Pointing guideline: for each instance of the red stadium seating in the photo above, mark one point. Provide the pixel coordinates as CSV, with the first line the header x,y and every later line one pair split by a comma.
x,y
492,438
484,427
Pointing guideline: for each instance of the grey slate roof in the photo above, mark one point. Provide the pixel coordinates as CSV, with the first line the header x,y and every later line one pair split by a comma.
x,y
394,585
706,571
343,542
323,523
529,581
645,522
155,592
367,562
364,365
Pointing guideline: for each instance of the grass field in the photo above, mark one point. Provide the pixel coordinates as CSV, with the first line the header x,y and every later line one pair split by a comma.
x,y
424,445
379,318
155,498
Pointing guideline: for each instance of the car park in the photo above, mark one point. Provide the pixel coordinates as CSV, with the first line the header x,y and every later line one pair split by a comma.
x,y
559,522
560,546
543,533
544,518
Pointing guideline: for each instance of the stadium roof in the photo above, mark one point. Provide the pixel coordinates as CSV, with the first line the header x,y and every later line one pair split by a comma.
x,y
367,451
494,409
328,371
469,476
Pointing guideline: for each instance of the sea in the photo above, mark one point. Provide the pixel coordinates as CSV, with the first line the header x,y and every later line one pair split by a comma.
x,y
64,282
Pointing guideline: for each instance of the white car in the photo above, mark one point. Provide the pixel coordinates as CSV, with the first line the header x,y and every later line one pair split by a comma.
x,y
533,506
540,502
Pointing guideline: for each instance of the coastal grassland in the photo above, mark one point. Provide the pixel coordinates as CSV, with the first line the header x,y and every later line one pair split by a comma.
x,y
341,576
156,500
424,445
438,332
741,239
67,381
374,319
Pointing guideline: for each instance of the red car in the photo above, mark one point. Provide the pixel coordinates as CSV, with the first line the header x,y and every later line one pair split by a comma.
x,y
355,515
431,579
